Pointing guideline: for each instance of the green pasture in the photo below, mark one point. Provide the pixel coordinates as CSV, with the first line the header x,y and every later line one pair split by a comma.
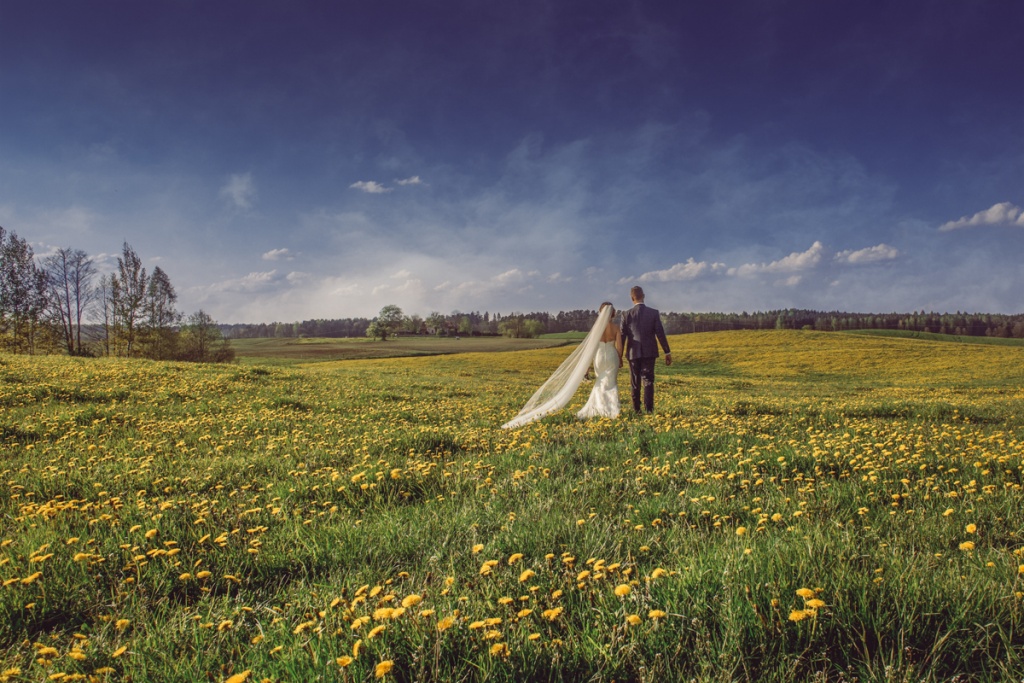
x,y
286,350
802,506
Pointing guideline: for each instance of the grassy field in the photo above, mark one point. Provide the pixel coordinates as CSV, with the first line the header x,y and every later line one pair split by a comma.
x,y
287,350
801,507
934,336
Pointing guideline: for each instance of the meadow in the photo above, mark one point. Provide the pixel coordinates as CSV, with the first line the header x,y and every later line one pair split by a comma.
x,y
802,506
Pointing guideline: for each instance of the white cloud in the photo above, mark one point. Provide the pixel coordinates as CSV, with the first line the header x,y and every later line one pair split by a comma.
x,y
1003,213
879,252
679,272
797,261
253,282
370,187
239,190
278,255
414,180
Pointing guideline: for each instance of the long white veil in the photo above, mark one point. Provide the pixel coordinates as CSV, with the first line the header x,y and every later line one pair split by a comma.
x,y
556,392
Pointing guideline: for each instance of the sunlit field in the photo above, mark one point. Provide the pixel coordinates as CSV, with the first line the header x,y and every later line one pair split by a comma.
x,y
801,507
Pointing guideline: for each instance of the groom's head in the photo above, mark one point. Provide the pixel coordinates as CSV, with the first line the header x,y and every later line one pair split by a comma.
x,y
637,294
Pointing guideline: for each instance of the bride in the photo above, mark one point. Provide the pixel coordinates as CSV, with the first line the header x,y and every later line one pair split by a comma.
x,y
602,347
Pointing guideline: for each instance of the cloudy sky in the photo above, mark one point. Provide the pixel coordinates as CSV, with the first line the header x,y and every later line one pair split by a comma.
x,y
292,160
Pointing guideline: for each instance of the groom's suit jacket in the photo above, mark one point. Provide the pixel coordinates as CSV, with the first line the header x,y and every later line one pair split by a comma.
x,y
642,331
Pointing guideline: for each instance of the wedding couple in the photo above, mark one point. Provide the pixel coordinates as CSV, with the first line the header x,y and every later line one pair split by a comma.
x,y
638,337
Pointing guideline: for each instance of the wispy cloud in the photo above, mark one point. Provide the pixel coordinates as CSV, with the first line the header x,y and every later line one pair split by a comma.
x,y
239,190
414,180
797,261
370,187
879,252
689,270
1003,213
278,255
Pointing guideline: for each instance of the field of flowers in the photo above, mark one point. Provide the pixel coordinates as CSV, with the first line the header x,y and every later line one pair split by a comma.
x,y
802,506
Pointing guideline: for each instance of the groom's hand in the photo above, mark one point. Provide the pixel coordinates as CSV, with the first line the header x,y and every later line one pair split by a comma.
x,y
668,359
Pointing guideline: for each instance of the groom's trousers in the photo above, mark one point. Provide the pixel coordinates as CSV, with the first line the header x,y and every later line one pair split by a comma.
x,y
641,377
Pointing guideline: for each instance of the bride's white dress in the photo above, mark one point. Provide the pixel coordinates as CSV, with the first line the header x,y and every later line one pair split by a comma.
x,y
604,397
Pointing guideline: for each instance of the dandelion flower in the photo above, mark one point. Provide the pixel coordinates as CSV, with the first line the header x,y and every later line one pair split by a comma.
x,y
740,530
623,589
383,668
411,601
657,614
122,624
967,545
633,620
119,651
499,649
798,615
551,614
971,528
445,624
658,573
344,661
477,548
805,593
815,603
527,575
239,677
375,631
515,557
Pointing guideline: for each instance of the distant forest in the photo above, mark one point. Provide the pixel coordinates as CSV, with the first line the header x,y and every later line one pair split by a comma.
x,y
494,324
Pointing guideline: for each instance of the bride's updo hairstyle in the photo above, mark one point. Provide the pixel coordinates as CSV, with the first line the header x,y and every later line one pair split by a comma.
x,y
606,303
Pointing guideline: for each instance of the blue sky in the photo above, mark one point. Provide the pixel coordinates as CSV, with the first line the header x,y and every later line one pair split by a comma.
x,y
283,161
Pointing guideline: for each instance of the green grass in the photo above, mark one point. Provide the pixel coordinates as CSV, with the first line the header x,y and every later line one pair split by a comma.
x,y
853,469
934,336
290,350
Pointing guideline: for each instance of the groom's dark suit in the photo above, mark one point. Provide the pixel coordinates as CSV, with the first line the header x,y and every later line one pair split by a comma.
x,y
641,333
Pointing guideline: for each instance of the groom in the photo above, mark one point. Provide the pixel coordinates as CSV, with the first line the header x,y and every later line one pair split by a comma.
x,y
641,333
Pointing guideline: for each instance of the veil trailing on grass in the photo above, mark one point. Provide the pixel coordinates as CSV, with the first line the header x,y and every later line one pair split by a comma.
x,y
555,393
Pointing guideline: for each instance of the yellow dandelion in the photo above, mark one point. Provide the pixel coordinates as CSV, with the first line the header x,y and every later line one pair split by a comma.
x,y
445,624
203,574
551,614
427,613
814,603
657,614
798,615
344,661
477,548
356,646
375,631
515,557
740,530
805,593
151,533
623,589
971,528
634,620
119,651
28,580
78,655
499,649
523,613
239,677
658,573
411,601
533,636
225,625
122,624
527,575
383,668
967,545
948,512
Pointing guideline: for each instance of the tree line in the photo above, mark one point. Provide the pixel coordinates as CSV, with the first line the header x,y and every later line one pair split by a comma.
x,y
392,321
62,303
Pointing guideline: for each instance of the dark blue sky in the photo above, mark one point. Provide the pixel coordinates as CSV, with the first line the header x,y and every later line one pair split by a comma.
x,y
322,159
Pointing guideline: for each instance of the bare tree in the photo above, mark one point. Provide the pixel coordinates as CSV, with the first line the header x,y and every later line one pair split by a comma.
x,y
128,297
70,273
161,315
